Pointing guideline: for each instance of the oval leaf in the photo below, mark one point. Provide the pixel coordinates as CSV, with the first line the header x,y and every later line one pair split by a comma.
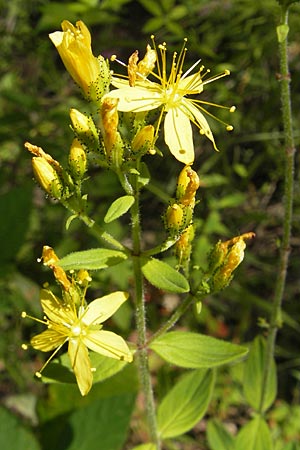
x,y
253,376
218,437
164,277
193,350
185,404
118,208
254,436
93,259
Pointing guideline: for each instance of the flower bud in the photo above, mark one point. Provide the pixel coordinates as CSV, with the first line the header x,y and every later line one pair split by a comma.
x,y
109,127
184,245
143,141
225,258
77,160
174,218
74,47
187,185
85,129
47,177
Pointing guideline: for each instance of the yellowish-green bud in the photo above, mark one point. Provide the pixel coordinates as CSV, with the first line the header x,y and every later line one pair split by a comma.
x,y
225,258
74,47
85,129
47,177
184,244
143,141
187,185
77,160
174,218
109,127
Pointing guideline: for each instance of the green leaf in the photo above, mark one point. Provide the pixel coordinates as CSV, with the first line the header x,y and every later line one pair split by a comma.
x,y
253,376
13,435
192,350
218,437
118,208
254,436
93,259
148,446
164,277
101,424
185,404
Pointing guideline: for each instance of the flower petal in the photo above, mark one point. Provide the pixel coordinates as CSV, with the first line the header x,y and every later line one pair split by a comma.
x,y
137,99
102,308
48,340
200,120
81,365
55,309
108,344
191,85
179,136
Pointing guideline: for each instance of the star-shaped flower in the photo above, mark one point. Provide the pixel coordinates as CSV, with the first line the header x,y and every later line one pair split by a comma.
x,y
171,92
81,328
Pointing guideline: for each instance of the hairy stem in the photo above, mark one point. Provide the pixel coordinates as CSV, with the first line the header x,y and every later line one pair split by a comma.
x,y
145,376
289,149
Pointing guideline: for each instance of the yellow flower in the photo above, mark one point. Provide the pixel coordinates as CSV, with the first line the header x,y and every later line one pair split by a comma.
x,y
82,330
74,47
171,93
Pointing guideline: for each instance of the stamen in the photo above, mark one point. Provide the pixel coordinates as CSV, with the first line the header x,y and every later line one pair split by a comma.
x,y
25,315
191,68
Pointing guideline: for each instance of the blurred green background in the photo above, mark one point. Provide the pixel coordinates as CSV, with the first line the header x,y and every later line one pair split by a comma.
x,y
242,189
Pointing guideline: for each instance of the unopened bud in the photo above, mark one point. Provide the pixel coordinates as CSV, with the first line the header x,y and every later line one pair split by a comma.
x,y
225,258
174,219
47,177
109,124
85,129
143,141
184,244
77,160
187,185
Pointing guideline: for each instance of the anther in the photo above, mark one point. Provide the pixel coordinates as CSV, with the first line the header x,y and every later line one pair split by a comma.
x,y
24,346
23,314
229,127
38,374
232,109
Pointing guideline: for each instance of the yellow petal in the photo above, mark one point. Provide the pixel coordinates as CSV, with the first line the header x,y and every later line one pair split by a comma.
x,y
200,120
191,85
81,365
55,310
179,136
48,340
137,99
108,344
102,308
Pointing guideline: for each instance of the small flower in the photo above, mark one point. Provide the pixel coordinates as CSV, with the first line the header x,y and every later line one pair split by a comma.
x,y
74,47
81,328
138,93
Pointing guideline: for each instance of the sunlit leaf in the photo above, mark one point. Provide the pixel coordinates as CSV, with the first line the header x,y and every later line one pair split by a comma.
x,y
192,350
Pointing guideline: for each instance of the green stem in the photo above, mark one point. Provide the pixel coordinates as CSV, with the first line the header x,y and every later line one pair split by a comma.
x,y
145,375
289,148
184,305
